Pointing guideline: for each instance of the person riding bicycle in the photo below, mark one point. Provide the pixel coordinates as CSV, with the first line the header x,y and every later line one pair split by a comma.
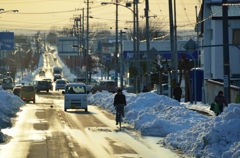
x,y
119,100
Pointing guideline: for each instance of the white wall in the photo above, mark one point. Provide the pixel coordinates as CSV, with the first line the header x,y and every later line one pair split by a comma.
x,y
213,56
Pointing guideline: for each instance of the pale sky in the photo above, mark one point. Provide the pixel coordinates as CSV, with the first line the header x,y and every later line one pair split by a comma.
x,y
37,15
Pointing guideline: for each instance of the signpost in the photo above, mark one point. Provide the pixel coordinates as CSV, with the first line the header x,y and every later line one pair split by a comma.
x,y
190,47
6,41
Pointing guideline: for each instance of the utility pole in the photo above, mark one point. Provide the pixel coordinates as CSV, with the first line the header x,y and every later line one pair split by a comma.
x,y
171,40
175,45
116,46
83,39
135,40
121,59
87,60
148,45
226,77
138,51
197,35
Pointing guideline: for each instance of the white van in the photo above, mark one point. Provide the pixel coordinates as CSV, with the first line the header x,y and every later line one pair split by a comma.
x,y
75,96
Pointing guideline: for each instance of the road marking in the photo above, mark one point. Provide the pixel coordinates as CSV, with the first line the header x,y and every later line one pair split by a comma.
x,y
71,145
74,154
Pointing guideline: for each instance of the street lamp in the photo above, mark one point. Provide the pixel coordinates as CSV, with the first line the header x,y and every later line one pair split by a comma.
x,y
121,65
116,42
2,11
134,16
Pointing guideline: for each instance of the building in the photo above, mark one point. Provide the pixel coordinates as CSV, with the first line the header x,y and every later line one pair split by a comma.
x,y
212,32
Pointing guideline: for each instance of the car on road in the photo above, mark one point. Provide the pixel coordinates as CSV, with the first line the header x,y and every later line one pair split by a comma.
x,y
16,91
107,85
49,80
75,96
18,85
40,85
57,76
27,93
7,83
41,73
91,82
60,84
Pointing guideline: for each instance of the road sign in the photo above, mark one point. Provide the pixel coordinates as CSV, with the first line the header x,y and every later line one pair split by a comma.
x,y
190,46
6,41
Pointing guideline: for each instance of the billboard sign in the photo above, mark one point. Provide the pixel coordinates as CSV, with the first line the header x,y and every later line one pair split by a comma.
x,y
6,41
68,46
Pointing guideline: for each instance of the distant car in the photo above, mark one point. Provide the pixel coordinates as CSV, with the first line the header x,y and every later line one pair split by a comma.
x,y
16,91
83,80
91,82
107,85
7,83
40,85
18,85
57,76
41,73
60,84
75,96
49,80
165,90
27,93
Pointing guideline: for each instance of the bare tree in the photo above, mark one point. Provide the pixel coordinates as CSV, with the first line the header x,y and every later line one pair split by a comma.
x,y
157,29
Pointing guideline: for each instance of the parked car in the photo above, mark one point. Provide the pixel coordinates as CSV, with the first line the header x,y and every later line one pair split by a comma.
x,y
49,80
60,84
165,89
75,96
7,83
16,91
40,85
91,82
27,93
107,85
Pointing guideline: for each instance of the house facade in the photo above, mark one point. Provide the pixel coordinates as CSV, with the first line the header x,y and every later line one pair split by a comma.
x,y
212,32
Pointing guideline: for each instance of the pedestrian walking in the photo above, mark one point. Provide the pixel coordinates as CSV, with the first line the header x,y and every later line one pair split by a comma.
x,y
177,92
145,89
220,100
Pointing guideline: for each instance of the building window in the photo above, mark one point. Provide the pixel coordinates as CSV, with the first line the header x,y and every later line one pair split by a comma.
x,y
236,36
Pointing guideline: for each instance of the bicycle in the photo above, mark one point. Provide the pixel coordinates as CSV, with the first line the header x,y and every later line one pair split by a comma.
x,y
119,110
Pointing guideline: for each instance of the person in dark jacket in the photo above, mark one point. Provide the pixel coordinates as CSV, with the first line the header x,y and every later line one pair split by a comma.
x,y
219,99
145,89
177,92
119,99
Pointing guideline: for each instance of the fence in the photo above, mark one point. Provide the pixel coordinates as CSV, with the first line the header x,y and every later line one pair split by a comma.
x,y
211,89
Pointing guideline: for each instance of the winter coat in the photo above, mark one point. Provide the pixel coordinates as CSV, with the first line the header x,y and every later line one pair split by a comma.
x,y
177,93
119,99
220,100
145,90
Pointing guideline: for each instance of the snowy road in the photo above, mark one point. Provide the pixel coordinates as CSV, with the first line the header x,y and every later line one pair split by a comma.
x,y
44,130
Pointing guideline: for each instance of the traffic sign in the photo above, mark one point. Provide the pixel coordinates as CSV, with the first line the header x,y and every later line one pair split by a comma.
x,y
6,41
190,46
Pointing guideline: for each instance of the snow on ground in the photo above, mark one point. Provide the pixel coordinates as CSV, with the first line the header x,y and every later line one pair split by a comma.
x,y
195,134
